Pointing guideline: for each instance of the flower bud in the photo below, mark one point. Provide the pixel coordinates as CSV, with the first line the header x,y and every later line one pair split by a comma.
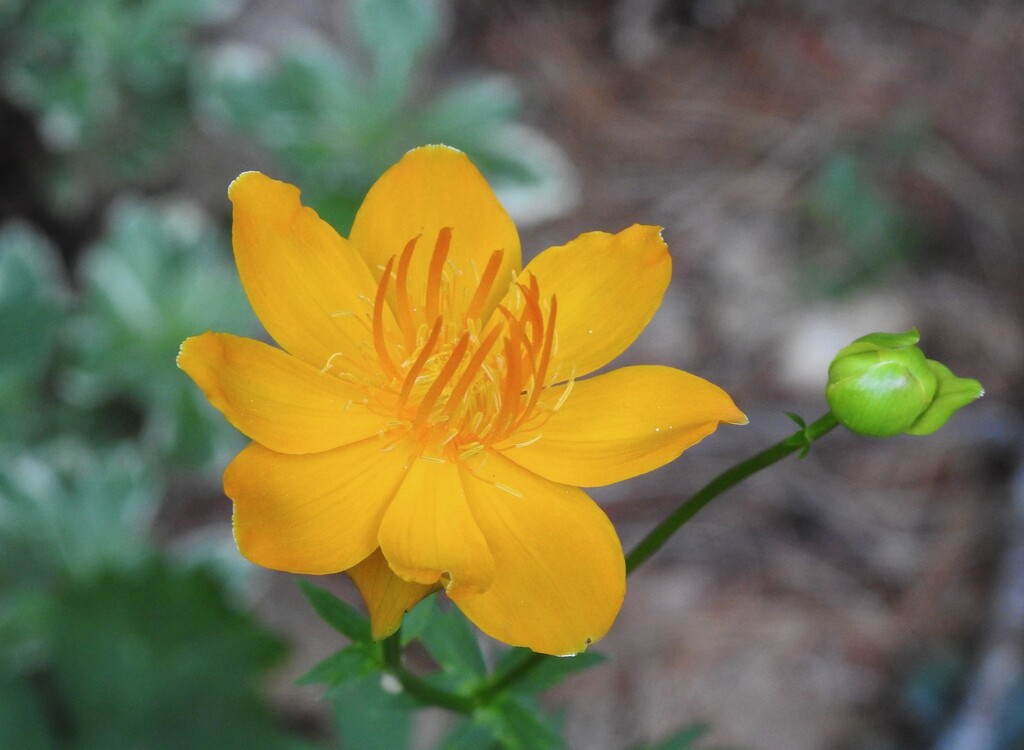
x,y
882,385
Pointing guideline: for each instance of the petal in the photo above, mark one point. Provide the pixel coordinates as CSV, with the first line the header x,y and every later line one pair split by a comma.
x,y
428,531
430,188
386,596
317,513
559,571
309,287
608,287
274,398
623,423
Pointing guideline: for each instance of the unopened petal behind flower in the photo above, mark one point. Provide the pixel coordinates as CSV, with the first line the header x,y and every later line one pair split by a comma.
x,y
426,425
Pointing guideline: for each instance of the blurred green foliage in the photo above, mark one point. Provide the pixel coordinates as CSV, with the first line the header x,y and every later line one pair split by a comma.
x,y
870,236
103,641
107,81
106,639
33,304
335,120
159,274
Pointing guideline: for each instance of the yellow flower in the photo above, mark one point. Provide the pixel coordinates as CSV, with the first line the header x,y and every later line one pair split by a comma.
x,y
423,424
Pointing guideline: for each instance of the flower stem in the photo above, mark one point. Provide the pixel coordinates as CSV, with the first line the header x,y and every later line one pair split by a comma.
x,y
494,686
661,533
416,687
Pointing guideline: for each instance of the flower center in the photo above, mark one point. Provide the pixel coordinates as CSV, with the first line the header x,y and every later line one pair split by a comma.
x,y
454,374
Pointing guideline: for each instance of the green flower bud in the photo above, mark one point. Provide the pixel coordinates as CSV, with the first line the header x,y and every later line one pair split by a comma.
x,y
882,385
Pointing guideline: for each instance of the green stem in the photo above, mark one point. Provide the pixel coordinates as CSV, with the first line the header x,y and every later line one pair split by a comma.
x,y
418,688
661,533
494,686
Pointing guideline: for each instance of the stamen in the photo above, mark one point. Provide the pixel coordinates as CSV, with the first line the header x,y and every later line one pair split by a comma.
x,y
330,361
531,441
471,370
471,451
379,341
446,374
545,357
510,395
510,490
413,375
434,274
518,335
483,290
531,314
565,395
403,307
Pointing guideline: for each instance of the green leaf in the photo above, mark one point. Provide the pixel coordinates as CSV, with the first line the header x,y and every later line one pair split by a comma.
x,y
159,274
866,224
396,34
347,664
493,101
452,641
106,81
340,615
33,297
70,511
334,131
33,302
549,672
519,724
157,658
22,722
469,735
369,717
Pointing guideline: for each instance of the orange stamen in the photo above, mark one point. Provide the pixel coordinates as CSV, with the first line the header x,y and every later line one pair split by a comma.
x,y
510,395
434,273
446,374
545,357
421,360
531,314
518,335
379,341
471,371
402,304
483,289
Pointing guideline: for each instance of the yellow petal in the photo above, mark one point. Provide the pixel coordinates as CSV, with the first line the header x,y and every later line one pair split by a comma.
x,y
428,533
608,287
317,513
430,188
623,423
559,572
386,596
309,287
274,398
